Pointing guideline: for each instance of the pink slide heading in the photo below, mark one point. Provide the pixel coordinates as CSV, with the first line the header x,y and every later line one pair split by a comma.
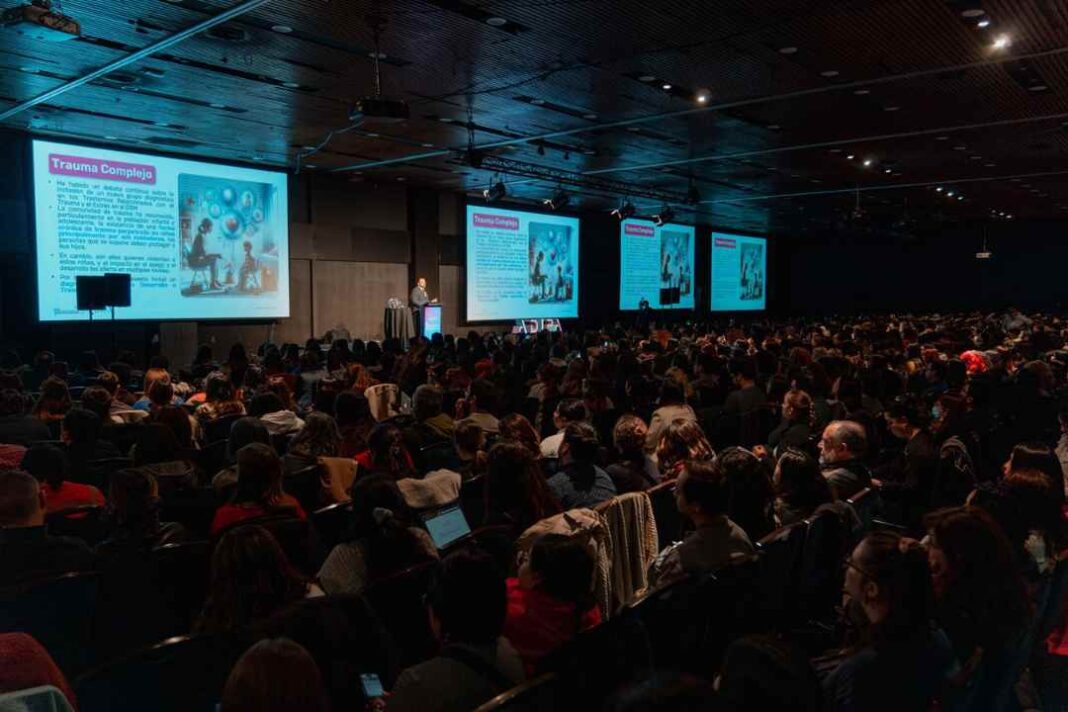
x,y
638,229
79,167
725,242
497,221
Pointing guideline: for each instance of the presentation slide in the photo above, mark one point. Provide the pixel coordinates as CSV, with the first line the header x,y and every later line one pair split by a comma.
x,y
199,240
739,272
655,265
521,265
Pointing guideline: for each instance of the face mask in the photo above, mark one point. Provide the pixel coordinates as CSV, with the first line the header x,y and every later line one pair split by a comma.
x,y
936,412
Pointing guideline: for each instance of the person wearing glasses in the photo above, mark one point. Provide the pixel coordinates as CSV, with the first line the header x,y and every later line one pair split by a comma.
x,y
894,657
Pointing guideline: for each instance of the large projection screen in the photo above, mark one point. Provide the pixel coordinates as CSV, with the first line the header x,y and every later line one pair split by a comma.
x,y
656,264
200,240
739,273
521,265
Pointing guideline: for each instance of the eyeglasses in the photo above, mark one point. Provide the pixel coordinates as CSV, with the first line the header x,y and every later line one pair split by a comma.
x,y
847,563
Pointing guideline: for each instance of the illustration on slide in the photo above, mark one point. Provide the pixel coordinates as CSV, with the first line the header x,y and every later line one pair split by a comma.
x,y
226,241
675,268
552,272
751,284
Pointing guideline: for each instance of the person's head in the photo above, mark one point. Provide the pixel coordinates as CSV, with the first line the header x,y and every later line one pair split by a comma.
x,y
275,675
54,399
1034,456
749,484
467,599
515,486
88,363
562,567
259,475
483,395
628,436
264,404
797,406
761,672
469,438
251,578
47,463
156,443
842,440
318,438
155,375
109,381
80,427
246,431
98,400
12,402
904,417
133,496
160,393
516,428
177,420
1036,501
22,502
702,492
974,572
422,282
680,441
427,402
569,410
672,392
218,388
388,451
744,371
578,451
351,408
799,482
888,586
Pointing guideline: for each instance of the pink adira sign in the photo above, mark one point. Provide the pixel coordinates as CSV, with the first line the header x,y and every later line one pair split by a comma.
x,y
78,167
724,242
639,230
499,222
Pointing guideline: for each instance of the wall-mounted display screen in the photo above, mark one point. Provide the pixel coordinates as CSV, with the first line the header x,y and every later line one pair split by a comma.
x,y
656,265
739,272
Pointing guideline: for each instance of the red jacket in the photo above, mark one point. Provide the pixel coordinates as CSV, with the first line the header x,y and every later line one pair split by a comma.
x,y
229,514
537,623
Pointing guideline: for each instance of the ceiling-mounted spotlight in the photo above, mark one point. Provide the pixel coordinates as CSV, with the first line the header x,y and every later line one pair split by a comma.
x,y
665,215
496,191
559,200
624,210
703,96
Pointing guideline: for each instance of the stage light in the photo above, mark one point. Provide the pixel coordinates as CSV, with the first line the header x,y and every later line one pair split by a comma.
x,y
559,200
850,157
939,189
665,86
495,192
1001,42
868,162
665,215
984,23
703,96
624,210
950,193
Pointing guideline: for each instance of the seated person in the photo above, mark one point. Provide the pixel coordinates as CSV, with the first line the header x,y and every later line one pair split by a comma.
x,y
26,549
245,431
841,447
383,538
259,489
81,434
467,603
702,496
552,598
152,377
432,425
567,411
672,408
581,483
220,399
17,427
318,438
800,487
25,665
469,440
636,470
275,675
48,464
795,430
158,453
272,412
198,256
386,453
134,516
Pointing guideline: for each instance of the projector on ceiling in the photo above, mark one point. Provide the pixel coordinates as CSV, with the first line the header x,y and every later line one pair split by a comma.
x,y
39,22
379,109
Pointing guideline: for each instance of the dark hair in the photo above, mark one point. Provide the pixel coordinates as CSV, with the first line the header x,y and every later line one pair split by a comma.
x,y
680,441
1037,456
318,438
47,463
751,493
515,486
275,676
381,519
251,578
351,407
82,426
764,673
98,400
467,594
1036,500
427,401
468,436
18,496
161,393
245,431
389,454
156,443
801,402
517,429
899,567
264,404
628,436
566,569
982,585
572,410
672,392
259,476
801,484
176,420
744,367
582,447
485,394
109,381
133,497
54,399
706,486
12,402
218,387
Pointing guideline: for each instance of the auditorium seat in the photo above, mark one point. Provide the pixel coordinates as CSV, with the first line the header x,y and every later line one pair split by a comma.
x,y
121,435
83,522
183,674
330,524
98,472
666,513
219,428
399,602
181,573
212,458
781,557
472,500
827,543
292,534
306,485
541,693
866,504
59,612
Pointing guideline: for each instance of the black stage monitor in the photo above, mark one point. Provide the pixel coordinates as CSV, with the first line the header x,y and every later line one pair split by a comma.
x,y
118,289
92,292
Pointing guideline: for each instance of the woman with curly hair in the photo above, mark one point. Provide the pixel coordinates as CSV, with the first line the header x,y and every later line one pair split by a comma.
x,y
682,440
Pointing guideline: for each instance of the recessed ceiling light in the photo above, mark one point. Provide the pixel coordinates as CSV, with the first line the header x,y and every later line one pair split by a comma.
x,y
703,96
896,173
774,127
1001,42
984,23
162,124
377,55
960,148
891,108
111,138
1037,87
939,189
829,73
665,86
370,134
446,120
282,29
972,12
862,92
850,157
401,178
960,197
950,193
427,145
647,78
291,85
590,151
887,171
990,165
217,105
633,129
941,138
835,150
868,162
310,165
788,50
976,158
495,21
590,117
537,102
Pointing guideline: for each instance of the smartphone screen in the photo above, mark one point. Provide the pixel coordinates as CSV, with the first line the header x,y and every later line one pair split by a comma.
x,y
372,686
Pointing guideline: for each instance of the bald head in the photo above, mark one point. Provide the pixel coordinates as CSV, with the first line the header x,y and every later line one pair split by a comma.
x,y
21,500
843,440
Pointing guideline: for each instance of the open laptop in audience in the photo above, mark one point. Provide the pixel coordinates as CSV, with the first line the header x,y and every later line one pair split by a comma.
x,y
447,526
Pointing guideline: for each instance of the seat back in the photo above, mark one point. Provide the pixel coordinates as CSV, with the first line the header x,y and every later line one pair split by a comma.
x,y
219,428
330,524
666,513
437,456
541,693
82,522
827,541
181,573
472,501
306,485
213,457
755,426
192,508
58,611
98,472
121,435
184,674
781,558
398,600
867,504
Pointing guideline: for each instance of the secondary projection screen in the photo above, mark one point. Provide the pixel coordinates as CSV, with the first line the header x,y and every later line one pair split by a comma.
x,y
739,272
655,264
521,265
200,240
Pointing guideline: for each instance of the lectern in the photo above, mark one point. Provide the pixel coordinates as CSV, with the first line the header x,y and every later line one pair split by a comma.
x,y
431,320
